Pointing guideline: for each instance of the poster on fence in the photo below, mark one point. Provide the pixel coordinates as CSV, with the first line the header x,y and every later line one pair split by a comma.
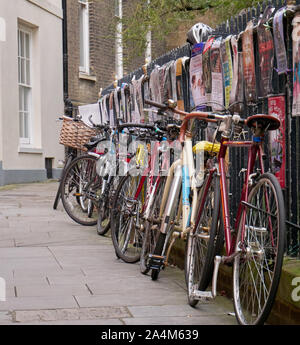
x,y
167,83
235,72
196,75
266,54
180,100
206,68
135,94
111,110
217,91
249,63
227,68
279,43
90,110
276,107
296,65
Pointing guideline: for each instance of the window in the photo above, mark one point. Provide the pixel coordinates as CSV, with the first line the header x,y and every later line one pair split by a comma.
x,y
25,86
84,37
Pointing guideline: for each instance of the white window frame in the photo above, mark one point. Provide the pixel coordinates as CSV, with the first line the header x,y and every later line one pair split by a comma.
x,y
85,44
25,114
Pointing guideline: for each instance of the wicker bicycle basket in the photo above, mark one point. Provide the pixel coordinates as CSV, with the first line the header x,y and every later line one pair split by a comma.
x,y
75,133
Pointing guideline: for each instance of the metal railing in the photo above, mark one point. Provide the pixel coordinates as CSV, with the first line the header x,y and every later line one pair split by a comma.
x,y
282,85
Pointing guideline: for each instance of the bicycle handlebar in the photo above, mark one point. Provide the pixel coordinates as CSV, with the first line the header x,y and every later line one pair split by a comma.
x,y
136,125
201,115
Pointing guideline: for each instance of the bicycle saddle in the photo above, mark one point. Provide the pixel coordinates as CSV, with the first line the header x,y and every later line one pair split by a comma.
x,y
94,141
265,122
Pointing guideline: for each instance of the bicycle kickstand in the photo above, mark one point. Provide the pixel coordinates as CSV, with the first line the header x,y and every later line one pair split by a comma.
x,y
197,294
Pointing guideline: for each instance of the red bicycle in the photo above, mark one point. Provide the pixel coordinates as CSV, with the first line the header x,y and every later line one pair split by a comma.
x,y
254,246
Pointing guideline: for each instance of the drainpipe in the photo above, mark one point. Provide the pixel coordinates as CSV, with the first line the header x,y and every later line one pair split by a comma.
x,y
65,57
148,53
119,41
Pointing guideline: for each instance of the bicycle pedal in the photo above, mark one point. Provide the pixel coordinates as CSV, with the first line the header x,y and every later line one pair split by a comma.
x,y
156,262
197,294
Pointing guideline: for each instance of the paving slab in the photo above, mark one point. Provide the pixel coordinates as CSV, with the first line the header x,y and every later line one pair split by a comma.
x,y
71,314
59,272
29,303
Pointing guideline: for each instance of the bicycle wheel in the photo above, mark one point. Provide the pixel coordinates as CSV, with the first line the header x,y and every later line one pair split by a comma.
x,y
152,227
125,219
79,188
206,241
57,197
257,269
163,240
105,205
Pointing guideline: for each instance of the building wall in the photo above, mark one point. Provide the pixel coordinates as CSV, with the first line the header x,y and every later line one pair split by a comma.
x,y
84,89
81,89
19,162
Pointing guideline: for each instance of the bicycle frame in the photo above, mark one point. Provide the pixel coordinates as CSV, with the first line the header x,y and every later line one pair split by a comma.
x,y
181,175
152,186
254,151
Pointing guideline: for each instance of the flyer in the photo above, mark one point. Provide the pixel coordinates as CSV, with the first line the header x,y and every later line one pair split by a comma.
x,y
249,63
227,68
207,68
279,42
235,73
217,92
277,139
197,86
85,111
296,65
266,54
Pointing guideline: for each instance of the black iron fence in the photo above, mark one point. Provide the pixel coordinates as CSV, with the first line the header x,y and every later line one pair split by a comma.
x,y
282,85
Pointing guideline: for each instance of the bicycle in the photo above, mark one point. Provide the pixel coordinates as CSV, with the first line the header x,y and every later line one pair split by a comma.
x,y
80,185
136,194
255,246
71,155
108,167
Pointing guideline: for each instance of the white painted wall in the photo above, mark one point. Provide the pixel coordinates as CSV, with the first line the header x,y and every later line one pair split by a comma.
x,y
44,17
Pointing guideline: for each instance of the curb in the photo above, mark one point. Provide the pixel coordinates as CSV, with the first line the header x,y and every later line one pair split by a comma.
x,y
286,309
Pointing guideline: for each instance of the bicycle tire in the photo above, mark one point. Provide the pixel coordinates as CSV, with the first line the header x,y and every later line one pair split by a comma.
x,y
57,198
103,229
160,244
79,182
205,243
58,193
125,214
163,238
151,230
261,262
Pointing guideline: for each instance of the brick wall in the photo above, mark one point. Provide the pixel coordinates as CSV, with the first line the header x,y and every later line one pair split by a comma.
x,y
102,50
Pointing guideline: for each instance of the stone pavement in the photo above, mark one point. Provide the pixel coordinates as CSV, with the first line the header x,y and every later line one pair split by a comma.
x,y
59,272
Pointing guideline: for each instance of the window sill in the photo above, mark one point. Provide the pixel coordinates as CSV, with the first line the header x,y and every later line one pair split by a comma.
x,y
87,77
23,149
